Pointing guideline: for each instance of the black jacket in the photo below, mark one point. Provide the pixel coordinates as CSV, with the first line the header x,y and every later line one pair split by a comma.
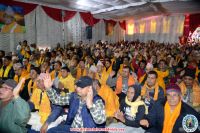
x,y
130,121
156,118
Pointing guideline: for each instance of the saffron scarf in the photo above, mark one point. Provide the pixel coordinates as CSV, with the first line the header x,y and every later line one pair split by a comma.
x,y
28,68
24,74
170,118
103,78
41,102
111,100
31,87
145,87
119,83
134,105
52,74
162,74
41,60
195,92
68,82
80,72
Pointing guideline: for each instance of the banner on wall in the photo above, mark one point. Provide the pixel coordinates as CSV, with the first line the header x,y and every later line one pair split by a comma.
x,y
11,19
109,29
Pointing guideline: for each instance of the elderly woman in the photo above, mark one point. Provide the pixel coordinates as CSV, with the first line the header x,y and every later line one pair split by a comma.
x,y
132,110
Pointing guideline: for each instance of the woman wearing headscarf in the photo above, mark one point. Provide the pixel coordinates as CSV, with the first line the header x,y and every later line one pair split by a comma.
x,y
132,110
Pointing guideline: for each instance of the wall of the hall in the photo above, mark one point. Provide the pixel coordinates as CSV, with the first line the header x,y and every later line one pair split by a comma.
x,y
158,28
44,31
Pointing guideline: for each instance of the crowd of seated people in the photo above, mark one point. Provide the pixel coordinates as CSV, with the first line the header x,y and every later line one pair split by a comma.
x,y
131,86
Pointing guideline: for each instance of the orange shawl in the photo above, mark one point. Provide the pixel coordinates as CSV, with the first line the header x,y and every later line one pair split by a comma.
x,y
28,69
170,118
24,74
79,74
118,90
145,87
111,100
103,78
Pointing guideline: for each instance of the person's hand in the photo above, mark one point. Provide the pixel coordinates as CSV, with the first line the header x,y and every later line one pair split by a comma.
x,y
116,115
60,85
47,80
112,73
18,87
135,77
144,123
120,116
147,96
135,53
89,98
44,128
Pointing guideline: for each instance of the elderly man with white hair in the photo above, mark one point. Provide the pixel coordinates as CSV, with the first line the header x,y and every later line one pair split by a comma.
x,y
93,72
102,75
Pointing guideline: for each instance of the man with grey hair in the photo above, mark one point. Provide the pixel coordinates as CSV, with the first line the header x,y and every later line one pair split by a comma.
x,y
14,111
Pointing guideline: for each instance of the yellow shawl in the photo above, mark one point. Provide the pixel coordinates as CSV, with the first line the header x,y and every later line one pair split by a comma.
x,y
27,55
161,76
14,27
134,105
108,71
24,74
41,61
80,72
103,78
52,74
170,118
68,82
160,81
5,74
111,100
43,107
31,88
145,87
23,51
28,68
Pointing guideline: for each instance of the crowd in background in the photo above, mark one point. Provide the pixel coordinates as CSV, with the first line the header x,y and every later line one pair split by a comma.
x,y
130,85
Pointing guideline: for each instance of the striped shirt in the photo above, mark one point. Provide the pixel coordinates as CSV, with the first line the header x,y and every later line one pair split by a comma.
x,y
97,110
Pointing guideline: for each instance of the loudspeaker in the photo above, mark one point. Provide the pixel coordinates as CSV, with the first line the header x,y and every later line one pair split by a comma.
x,y
89,32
